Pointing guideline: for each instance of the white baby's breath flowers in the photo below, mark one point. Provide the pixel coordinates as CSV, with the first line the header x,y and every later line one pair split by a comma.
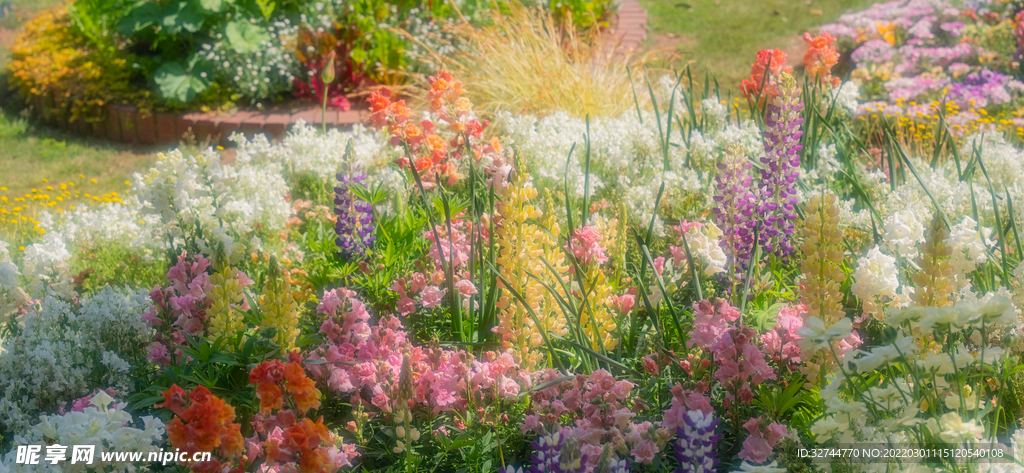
x,y
59,354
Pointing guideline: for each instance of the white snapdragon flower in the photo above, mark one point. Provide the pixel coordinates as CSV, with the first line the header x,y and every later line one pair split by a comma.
x,y
954,429
904,232
876,281
816,336
47,265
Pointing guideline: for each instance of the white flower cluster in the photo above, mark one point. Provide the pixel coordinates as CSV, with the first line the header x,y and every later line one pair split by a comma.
x,y
217,205
63,351
876,281
626,159
895,408
48,266
266,72
12,295
103,424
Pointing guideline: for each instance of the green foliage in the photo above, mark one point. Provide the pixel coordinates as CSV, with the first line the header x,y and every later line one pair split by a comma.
x,y
181,84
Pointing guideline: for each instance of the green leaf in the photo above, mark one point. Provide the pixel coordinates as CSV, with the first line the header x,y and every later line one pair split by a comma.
x,y
178,84
245,37
181,16
212,6
143,15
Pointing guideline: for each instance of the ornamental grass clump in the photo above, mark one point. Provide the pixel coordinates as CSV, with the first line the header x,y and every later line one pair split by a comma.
x,y
573,71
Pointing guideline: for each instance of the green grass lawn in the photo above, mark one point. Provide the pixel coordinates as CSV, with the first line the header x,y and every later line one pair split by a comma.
x,y
722,36
29,155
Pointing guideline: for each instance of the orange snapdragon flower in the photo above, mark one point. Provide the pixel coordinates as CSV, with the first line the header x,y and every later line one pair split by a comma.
x,y
203,423
821,55
772,62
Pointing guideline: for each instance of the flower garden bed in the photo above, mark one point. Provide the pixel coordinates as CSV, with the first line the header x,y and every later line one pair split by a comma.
x,y
692,284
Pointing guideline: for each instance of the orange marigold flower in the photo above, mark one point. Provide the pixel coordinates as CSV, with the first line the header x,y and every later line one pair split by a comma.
x,y
887,31
821,55
400,112
413,132
436,143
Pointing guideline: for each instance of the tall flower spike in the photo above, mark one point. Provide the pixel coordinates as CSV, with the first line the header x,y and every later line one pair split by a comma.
x,y
734,206
933,282
355,219
225,291
279,307
822,259
777,186
695,448
521,243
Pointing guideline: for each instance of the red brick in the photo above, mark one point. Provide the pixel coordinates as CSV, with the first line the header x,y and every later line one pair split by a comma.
x,y
186,124
312,116
206,127
230,124
350,117
113,126
128,117
276,122
165,124
146,128
252,126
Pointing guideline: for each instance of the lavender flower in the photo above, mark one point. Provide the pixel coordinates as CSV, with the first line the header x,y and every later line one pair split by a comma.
x,y
734,206
355,219
777,186
695,448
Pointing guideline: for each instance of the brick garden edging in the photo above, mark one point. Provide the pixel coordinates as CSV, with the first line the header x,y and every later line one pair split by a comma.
x,y
124,123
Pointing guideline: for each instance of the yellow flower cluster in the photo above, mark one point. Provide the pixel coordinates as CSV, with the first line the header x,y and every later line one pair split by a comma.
x,y
934,281
18,213
920,127
823,257
822,274
49,59
226,291
522,245
279,307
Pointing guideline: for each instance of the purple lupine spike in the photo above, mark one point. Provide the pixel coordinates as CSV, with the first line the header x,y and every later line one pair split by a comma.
x,y
734,207
777,186
557,453
355,219
695,448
